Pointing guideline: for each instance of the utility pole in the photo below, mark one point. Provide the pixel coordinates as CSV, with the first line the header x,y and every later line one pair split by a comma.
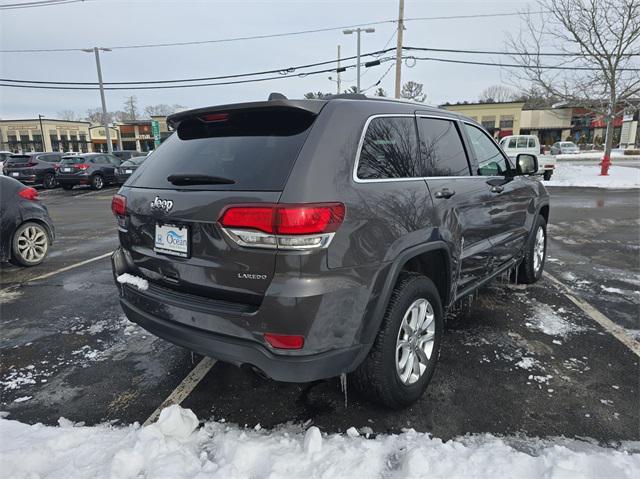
x,y
105,123
358,31
338,70
399,49
44,145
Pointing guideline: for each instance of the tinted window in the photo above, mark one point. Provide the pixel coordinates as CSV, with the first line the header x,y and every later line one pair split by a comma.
x,y
256,149
522,142
390,150
441,148
18,159
512,142
532,143
490,159
72,160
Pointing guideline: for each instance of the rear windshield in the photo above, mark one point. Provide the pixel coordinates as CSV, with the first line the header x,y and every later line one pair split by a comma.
x,y
18,159
72,160
254,148
568,144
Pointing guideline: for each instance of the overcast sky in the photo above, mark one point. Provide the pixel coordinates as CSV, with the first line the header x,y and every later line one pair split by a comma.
x,y
115,23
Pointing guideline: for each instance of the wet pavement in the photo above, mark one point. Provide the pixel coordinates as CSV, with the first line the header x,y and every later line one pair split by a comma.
x,y
515,360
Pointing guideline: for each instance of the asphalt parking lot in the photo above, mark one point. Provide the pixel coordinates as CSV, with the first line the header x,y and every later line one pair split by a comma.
x,y
515,360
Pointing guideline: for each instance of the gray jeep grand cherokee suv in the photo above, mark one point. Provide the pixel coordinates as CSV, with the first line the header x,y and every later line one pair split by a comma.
x,y
312,238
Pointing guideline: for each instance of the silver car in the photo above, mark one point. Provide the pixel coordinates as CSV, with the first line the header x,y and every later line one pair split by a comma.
x,y
564,148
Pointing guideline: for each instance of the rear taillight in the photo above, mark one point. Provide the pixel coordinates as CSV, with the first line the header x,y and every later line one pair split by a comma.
x,y
283,226
119,205
28,193
119,209
281,341
82,166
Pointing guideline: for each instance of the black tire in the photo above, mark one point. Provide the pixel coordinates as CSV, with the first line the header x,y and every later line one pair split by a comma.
x,y
67,186
19,255
547,175
378,378
528,273
97,182
49,181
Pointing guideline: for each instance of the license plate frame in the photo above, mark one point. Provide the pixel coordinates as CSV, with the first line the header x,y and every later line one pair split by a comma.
x,y
178,244
15,174
128,172
67,170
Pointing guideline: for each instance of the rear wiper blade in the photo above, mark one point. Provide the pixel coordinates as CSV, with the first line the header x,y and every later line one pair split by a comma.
x,y
190,179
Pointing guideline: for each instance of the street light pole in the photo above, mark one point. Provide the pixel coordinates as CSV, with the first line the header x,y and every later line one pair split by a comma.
x,y
44,145
105,123
338,71
358,31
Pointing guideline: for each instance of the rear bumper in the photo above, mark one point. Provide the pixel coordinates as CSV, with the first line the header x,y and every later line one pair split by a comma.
x,y
243,352
120,179
329,319
72,179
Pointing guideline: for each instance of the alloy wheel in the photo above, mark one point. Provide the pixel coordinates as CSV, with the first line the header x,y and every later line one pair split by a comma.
x,y
538,249
33,244
415,342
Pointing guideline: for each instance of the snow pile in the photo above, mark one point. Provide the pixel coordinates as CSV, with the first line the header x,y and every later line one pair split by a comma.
x,y
140,283
589,176
172,448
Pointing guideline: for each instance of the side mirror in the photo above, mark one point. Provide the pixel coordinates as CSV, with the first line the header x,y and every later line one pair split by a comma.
x,y
526,164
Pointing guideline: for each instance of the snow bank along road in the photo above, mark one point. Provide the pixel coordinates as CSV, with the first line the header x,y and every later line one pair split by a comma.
x,y
516,361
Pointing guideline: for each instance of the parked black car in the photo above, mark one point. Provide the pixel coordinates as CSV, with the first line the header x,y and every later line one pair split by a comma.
x,y
93,169
26,230
312,238
126,168
33,168
123,155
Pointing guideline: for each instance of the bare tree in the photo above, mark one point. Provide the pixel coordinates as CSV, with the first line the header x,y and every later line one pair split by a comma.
x,y
94,115
380,92
600,41
413,91
131,107
69,115
162,109
497,93
316,96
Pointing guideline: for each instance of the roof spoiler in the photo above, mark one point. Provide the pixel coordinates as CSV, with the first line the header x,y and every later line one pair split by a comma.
x,y
276,96
312,107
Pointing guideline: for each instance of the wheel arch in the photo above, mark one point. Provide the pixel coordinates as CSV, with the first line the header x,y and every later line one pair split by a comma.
x,y
432,259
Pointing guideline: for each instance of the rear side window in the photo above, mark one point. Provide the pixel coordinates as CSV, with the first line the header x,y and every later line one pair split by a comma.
x,y
441,148
254,148
390,150
532,143
513,142
522,142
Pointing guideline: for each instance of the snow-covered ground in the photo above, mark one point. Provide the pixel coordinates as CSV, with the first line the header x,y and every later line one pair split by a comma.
x,y
175,447
596,155
589,176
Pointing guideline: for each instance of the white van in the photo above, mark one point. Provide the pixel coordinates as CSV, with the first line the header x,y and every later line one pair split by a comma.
x,y
516,144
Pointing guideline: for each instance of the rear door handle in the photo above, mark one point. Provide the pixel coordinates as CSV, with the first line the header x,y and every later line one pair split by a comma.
x,y
497,189
445,193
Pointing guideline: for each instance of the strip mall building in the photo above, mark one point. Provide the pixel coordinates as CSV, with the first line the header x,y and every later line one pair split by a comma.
x,y
579,125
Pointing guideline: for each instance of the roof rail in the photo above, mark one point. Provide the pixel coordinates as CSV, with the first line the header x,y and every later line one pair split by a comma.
x,y
276,96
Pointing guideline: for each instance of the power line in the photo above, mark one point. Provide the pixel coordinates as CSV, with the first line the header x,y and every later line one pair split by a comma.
x,y
162,87
261,37
515,65
43,3
497,52
284,70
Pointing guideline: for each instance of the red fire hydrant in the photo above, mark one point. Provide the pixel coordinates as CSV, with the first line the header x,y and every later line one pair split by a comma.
x,y
604,166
